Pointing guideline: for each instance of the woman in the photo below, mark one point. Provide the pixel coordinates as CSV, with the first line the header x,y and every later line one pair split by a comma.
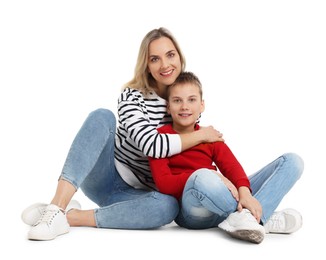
x,y
112,167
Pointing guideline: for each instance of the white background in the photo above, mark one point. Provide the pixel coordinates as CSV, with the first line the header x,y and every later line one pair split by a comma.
x,y
262,65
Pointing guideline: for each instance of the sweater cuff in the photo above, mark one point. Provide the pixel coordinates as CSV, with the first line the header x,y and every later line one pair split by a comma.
x,y
243,182
175,144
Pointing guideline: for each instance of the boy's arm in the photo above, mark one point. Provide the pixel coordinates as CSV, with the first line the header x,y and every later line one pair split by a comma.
x,y
229,166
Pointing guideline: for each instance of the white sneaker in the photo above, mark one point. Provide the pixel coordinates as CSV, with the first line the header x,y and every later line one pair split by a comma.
x,y
284,222
53,222
244,226
33,213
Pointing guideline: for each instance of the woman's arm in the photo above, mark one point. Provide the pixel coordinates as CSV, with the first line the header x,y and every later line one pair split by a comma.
x,y
138,120
203,135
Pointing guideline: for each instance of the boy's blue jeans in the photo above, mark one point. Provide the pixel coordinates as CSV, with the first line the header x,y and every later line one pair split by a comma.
x,y
206,201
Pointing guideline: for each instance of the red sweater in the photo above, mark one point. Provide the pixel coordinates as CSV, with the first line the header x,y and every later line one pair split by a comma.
x,y
171,174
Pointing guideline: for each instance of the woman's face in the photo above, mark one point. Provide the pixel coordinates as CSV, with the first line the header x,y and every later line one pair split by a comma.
x,y
163,62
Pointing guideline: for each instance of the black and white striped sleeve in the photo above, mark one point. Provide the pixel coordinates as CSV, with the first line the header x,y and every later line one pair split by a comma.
x,y
138,120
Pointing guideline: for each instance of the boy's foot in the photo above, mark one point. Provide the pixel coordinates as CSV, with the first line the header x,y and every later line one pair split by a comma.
x,y
33,213
52,223
244,226
284,222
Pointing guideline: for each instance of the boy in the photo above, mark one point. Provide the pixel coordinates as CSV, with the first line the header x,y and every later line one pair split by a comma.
x,y
206,196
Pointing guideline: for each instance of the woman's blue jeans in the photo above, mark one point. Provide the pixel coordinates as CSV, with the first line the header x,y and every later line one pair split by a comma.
x,y
206,201
90,166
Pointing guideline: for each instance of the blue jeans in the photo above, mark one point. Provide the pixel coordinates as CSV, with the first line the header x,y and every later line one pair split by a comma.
x,y
206,201
90,166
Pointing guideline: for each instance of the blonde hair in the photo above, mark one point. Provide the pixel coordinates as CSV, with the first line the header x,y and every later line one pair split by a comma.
x,y
143,80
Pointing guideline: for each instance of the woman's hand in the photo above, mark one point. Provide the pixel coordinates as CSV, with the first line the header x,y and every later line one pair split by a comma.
x,y
203,135
210,134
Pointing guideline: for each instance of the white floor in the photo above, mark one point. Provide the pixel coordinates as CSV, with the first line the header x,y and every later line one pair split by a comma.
x,y
169,241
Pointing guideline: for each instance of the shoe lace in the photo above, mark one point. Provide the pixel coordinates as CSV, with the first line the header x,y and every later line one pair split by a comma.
x,y
276,222
47,216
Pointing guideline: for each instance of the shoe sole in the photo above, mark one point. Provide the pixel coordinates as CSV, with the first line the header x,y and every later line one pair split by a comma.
x,y
256,235
253,236
35,238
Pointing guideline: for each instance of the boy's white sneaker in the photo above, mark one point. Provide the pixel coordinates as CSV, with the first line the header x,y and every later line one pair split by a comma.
x,y
244,226
284,222
33,213
52,223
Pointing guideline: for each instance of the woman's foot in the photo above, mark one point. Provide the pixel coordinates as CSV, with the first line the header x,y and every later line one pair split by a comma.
x,y
33,213
52,223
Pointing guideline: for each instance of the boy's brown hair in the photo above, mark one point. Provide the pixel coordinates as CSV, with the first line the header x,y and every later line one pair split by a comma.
x,y
186,77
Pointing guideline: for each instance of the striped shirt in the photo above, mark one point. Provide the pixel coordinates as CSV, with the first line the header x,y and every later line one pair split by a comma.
x,y
137,136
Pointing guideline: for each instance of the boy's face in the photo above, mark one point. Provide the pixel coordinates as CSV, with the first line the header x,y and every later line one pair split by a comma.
x,y
185,105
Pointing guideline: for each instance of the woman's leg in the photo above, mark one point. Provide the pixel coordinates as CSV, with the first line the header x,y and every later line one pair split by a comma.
x,y
121,206
90,166
206,201
81,218
90,161
94,137
130,208
85,161
273,182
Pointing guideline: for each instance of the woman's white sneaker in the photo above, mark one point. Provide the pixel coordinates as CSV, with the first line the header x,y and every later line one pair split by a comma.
x,y
244,226
52,223
285,221
33,213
